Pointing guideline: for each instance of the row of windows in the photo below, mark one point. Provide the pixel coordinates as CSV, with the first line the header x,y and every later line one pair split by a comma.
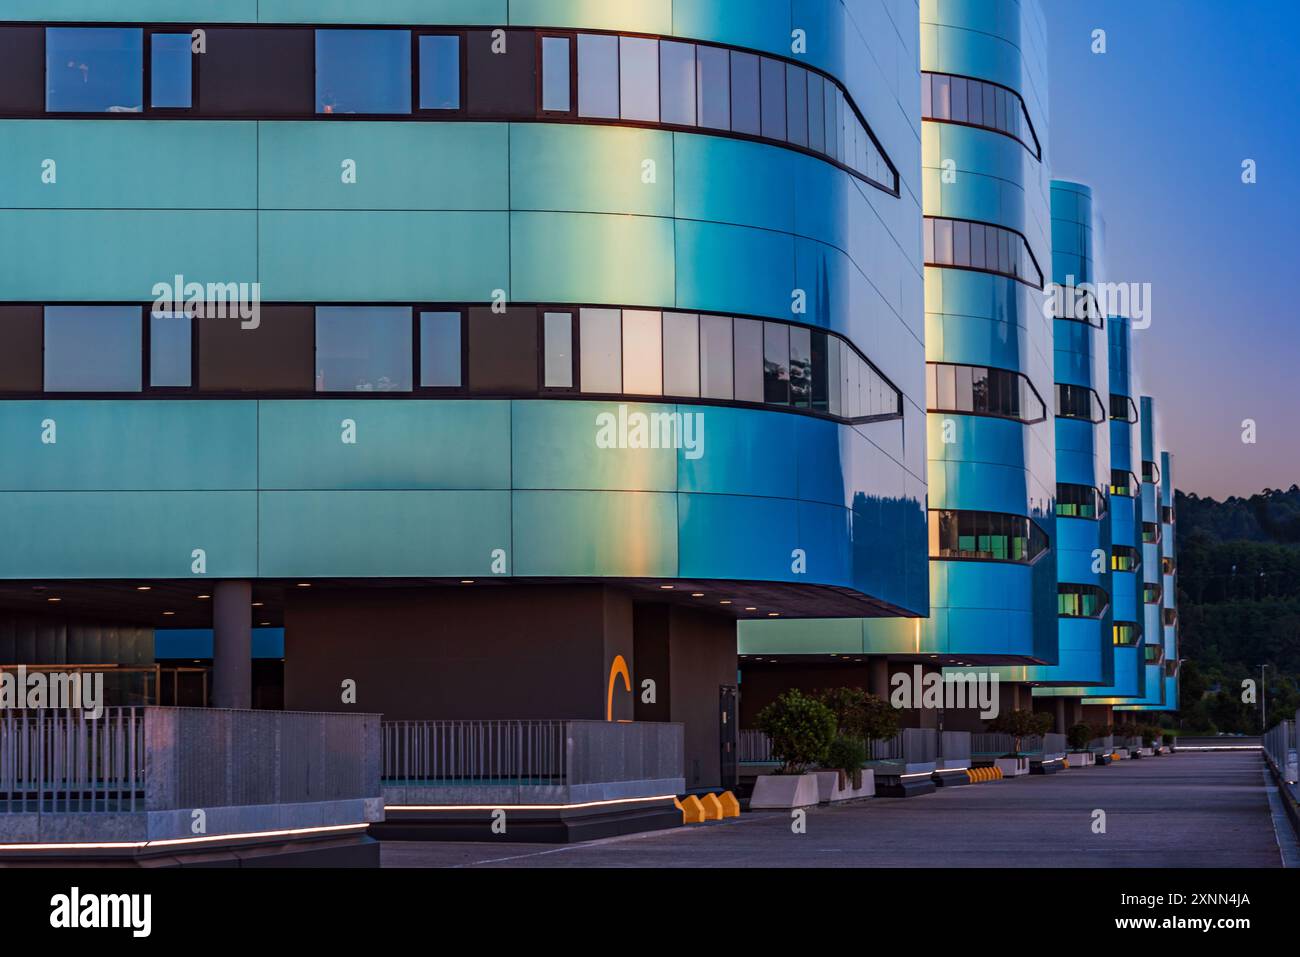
x,y
1079,501
1125,558
1123,482
1150,472
1122,408
983,246
432,73
405,349
1126,633
1153,654
959,99
1151,533
980,390
1152,592
1079,402
988,536
1080,601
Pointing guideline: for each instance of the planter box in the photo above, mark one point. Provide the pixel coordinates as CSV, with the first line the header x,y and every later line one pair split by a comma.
x,y
1012,767
829,790
1080,759
1146,752
1122,752
784,791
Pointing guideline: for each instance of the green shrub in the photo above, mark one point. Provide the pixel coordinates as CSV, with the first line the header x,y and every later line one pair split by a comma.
x,y
1079,735
866,717
847,755
1149,734
801,729
1018,724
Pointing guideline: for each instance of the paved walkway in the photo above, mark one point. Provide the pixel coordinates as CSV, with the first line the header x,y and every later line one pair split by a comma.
x,y
1183,810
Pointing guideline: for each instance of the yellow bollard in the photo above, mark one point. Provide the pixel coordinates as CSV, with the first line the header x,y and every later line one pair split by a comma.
x,y
712,807
692,810
730,806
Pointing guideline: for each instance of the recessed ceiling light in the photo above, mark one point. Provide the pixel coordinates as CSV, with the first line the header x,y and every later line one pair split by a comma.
x,y
54,599
667,587
697,594
143,587
751,608
467,581
169,613
773,614
725,601
263,623
304,584
201,597
258,604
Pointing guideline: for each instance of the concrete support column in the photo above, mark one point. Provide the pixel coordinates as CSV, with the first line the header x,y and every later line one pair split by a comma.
x,y
878,676
1060,716
232,644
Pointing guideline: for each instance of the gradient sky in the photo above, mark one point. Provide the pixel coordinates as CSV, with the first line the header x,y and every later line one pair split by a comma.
x,y
1158,126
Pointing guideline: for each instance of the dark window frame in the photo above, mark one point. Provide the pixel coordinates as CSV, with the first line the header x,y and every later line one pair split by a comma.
x,y
428,391
462,66
1036,150
575,349
572,112
999,229
991,415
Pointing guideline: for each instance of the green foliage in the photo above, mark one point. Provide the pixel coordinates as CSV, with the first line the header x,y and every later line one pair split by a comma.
x,y
1079,735
1018,724
860,715
847,755
801,729
1101,730
1149,733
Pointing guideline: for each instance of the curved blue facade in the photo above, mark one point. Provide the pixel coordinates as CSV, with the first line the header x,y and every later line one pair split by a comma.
x,y
526,212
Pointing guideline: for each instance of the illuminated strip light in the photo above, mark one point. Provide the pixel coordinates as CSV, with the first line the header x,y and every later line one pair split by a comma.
x,y
169,842
916,774
523,807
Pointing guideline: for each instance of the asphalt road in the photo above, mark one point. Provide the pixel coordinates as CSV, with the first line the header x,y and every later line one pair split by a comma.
x,y
1207,809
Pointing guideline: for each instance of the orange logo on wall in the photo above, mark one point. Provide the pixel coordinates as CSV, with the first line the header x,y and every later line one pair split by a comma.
x,y
616,670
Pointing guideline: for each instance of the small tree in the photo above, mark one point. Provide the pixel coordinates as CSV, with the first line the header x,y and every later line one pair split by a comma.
x,y
1018,724
846,755
1079,735
866,717
801,729
1149,734
1101,730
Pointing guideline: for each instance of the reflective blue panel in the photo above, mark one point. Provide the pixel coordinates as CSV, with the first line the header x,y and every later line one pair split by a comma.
x,y
92,348
440,73
169,349
363,71
171,79
363,349
93,70
440,350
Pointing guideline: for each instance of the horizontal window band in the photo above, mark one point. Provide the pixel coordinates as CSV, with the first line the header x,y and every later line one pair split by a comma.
x,y
940,104
968,535
953,388
977,246
490,74
379,351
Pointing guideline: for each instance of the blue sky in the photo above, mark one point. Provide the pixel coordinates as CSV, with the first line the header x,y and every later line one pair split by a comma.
x,y
1158,125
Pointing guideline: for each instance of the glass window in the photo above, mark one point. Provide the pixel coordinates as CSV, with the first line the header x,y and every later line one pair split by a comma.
x,y
714,69
715,357
439,73
92,348
836,353
850,366
639,79
363,349
800,367
601,352
748,349
94,70
796,105
171,82
169,350
776,363
677,82
681,354
943,241
597,76
440,350
927,94
642,352
557,341
816,114
557,96
961,243
942,98
744,93
959,99
363,71
773,89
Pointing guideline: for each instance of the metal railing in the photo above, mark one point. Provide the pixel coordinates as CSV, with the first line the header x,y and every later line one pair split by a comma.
x,y
65,761
1280,745
913,745
533,752
155,758
1104,745
955,746
1054,744
985,742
